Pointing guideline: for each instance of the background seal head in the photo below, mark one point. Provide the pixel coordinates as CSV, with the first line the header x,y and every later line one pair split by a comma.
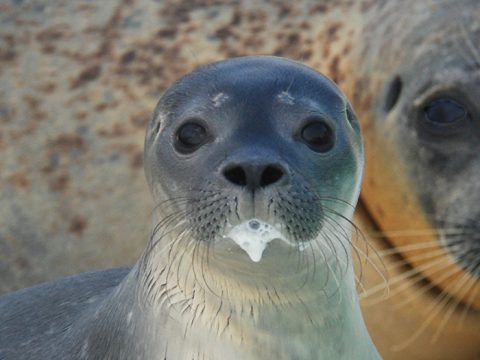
x,y
427,119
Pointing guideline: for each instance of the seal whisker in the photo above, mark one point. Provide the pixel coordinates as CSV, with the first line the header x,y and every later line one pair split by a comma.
x,y
167,270
415,233
163,229
473,50
422,256
409,247
163,226
325,260
358,279
314,260
367,260
331,272
331,275
334,233
324,198
430,285
434,309
347,254
337,288
359,234
188,245
196,247
465,279
167,220
361,254
330,243
170,201
204,262
401,277
177,260
470,300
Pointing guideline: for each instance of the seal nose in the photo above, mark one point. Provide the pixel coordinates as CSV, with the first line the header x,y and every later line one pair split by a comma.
x,y
254,176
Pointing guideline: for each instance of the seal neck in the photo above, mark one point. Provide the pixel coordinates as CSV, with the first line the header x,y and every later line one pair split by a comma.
x,y
221,305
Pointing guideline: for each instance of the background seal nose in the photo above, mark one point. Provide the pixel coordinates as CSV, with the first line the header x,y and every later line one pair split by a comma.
x,y
254,175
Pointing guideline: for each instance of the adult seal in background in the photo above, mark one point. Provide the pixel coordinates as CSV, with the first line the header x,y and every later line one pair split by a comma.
x,y
255,164
419,67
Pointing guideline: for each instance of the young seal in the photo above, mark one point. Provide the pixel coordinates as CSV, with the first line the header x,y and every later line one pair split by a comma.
x,y
255,164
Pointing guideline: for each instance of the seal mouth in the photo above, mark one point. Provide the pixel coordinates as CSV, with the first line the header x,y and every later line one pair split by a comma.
x,y
292,216
254,235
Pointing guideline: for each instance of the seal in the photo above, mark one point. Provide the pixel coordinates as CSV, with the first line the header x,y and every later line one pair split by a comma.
x,y
424,78
430,123
255,165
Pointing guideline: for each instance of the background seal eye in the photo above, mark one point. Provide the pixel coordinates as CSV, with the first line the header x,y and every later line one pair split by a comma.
x,y
318,136
190,136
445,112
443,117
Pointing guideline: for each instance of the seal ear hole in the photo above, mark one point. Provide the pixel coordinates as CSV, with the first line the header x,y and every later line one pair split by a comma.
x,y
394,90
157,128
352,118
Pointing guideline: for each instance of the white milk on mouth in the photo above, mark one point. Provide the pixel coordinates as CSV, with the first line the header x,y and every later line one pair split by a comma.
x,y
253,237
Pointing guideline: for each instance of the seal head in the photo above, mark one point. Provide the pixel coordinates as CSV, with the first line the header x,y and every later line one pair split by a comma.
x,y
259,141
427,118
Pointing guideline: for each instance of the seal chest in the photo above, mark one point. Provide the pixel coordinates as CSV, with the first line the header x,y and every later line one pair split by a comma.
x,y
255,164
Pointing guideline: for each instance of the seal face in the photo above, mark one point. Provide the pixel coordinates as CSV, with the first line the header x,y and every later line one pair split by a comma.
x,y
277,143
431,119
255,164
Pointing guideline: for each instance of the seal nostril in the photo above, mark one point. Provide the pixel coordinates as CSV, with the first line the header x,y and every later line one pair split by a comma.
x,y
270,175
236,175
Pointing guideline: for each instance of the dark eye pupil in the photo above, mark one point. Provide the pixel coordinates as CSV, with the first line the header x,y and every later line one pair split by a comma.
x,y
444,111
318,136
190,136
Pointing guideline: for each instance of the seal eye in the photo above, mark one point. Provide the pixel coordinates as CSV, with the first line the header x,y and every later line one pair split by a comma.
x,y
318,136
444,112
190,137
444,117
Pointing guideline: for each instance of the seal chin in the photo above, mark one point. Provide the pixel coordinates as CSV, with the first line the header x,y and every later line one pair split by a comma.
x,y
254,235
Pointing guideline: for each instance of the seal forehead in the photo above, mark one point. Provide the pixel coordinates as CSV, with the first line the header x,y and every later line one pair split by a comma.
x,y
252,82
252,74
